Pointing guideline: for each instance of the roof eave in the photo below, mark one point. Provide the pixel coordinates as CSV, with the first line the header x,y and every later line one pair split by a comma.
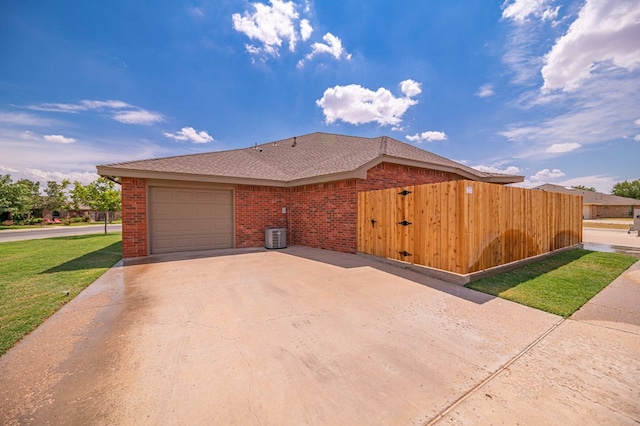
x,y
115,172
504,179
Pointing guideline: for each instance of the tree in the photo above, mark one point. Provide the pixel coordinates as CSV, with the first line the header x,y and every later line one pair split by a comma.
x,y
26,198
584,188
6,193
100,195
629,189
57,198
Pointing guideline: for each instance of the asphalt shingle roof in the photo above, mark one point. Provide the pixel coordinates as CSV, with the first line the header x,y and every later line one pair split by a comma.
x,y
292,159
590,197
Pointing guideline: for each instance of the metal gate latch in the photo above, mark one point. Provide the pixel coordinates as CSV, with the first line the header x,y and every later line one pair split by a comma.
x,y
405,192
404,223
373,222
404,253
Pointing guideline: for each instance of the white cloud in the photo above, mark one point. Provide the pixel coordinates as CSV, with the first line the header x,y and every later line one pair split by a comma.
x,y
24,119
546,174
410,88
605,33
355,104
196,11
519,54
43,176
121,111
189,133
140,116
333,47
520,10
601,183
109,104
28,135
305,29
485,91
58,107
58,139
429,136
517,134
604,109
637,138
269,25
558,148
509,170
637,122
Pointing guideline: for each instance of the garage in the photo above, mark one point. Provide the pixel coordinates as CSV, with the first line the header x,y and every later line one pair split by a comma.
x,y
188,219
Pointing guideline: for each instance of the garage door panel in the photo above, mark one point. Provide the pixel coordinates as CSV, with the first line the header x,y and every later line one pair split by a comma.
x,y
185,219
222,197
204,197
221,211
163,195
183,196
160,228
221,226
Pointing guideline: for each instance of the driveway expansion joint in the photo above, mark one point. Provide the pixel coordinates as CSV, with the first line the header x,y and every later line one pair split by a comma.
x,y
493,375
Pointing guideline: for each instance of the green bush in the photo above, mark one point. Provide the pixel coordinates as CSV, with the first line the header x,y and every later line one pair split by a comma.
x,y
36,220
77,219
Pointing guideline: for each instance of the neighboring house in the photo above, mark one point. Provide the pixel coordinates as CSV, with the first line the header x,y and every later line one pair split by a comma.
x,y
596,204
308,185
82,211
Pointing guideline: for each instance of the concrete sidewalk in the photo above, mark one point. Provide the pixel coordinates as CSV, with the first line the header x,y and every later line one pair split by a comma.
x,y
585,371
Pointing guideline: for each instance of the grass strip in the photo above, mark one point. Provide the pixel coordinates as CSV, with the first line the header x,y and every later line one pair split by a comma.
x,y
560,284
38,276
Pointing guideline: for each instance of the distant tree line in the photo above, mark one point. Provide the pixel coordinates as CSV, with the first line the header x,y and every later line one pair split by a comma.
x,y
628,189
23,201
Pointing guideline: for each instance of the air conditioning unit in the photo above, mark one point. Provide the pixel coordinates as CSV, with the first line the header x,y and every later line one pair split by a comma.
x,y
275,238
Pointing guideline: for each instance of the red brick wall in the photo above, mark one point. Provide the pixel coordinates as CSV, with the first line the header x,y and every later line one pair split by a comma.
x,y
321,216
134,217
324,216
612,211
258,208
387,175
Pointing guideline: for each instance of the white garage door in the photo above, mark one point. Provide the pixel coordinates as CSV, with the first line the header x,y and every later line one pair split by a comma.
x,y
187,219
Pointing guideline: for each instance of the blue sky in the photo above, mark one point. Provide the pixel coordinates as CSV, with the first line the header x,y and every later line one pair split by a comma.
x,y
543,88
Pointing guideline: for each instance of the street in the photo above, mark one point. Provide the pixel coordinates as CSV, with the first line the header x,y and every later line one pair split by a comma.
x,y
55,231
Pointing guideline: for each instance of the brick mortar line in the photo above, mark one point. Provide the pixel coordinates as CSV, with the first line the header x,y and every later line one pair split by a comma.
x,y
492,376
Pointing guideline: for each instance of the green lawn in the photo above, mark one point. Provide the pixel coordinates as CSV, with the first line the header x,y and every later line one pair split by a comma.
x,y
560,284
35,276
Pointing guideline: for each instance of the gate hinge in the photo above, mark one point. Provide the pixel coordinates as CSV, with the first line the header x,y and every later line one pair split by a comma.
x,y
404,253
404,223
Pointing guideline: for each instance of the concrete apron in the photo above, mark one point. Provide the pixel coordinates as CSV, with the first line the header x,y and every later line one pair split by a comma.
x,y
303,336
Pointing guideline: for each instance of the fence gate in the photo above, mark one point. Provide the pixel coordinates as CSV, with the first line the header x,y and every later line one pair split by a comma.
x,y
391,225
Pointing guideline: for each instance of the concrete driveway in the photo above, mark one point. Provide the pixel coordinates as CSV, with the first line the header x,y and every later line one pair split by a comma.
x,y
308,336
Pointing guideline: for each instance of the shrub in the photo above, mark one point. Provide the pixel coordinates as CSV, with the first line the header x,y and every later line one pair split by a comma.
x,y
77,219
7,223
36,220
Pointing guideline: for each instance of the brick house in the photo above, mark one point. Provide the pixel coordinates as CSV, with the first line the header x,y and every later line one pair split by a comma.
x,y
596,204
306,184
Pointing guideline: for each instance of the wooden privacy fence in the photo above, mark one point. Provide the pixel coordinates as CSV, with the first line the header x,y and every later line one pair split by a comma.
x,y
465,226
